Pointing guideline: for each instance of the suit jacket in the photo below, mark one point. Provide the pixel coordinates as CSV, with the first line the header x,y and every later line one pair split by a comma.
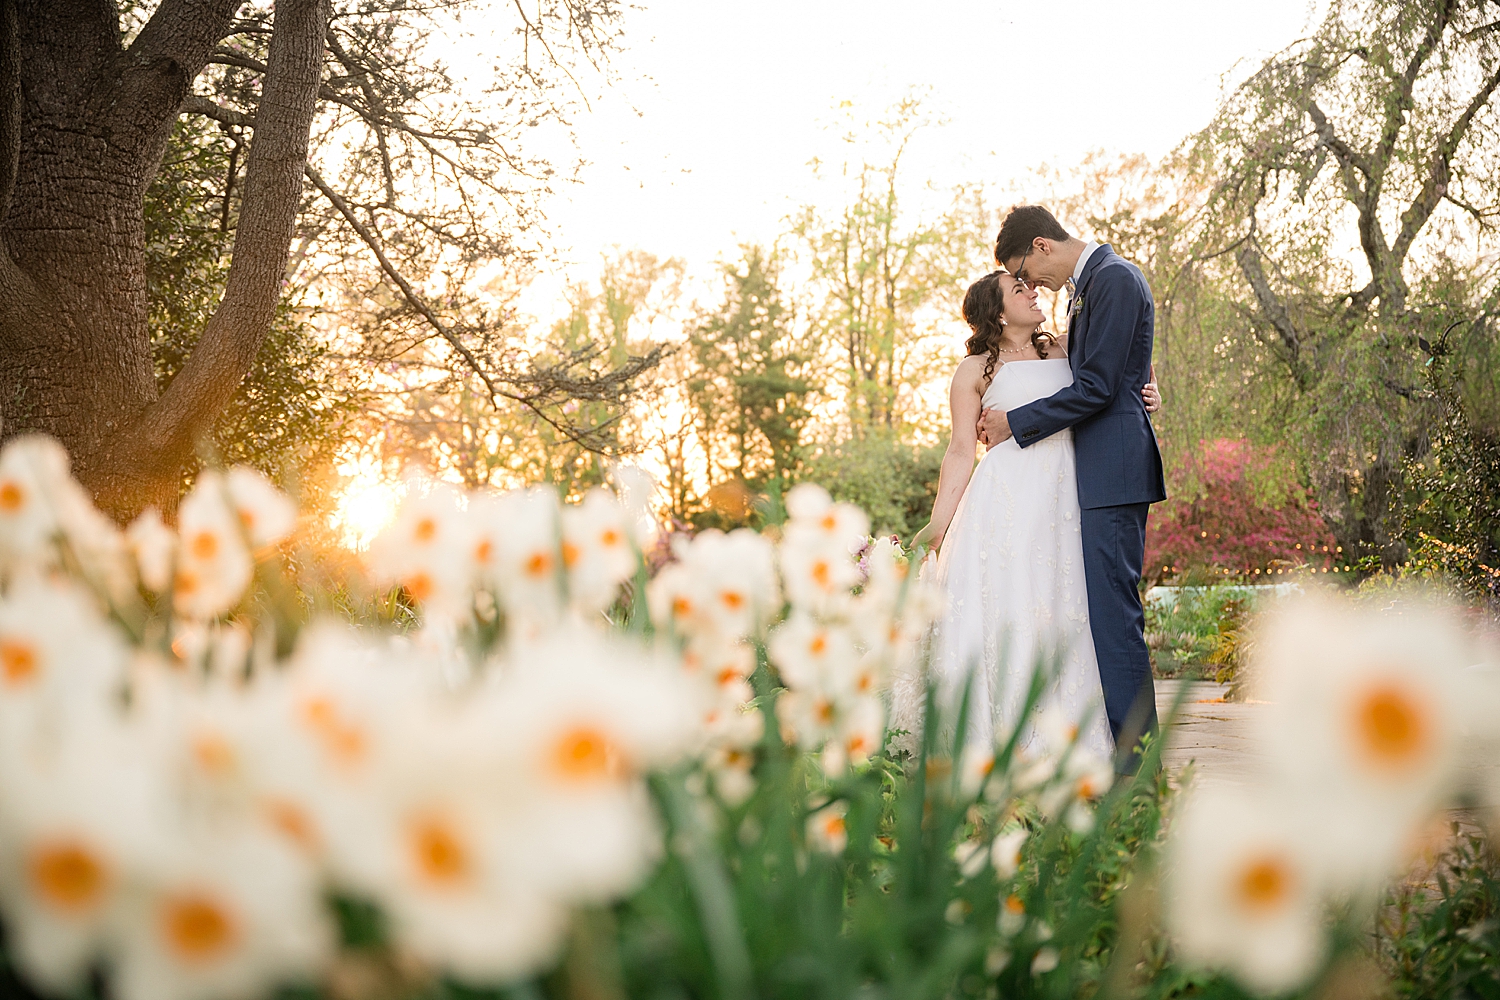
x,y
1109,349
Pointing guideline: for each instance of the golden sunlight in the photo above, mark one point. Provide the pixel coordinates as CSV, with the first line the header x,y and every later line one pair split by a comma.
x,y
367,503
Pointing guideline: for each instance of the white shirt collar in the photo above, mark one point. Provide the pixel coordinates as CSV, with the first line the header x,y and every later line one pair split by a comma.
x,y
1083,258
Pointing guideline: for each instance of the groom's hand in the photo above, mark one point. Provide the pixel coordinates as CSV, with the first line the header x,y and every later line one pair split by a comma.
x,y
993,427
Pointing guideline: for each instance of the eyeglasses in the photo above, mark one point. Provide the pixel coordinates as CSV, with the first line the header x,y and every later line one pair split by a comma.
x,y
1026,283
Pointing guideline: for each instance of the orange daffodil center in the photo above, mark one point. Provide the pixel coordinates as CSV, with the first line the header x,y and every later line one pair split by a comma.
x,y
1392,727
1262,884
585,754
439,853
12,496
68,876
197,927
19,662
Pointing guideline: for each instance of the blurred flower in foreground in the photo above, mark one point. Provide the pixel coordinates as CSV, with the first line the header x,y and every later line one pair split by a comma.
x,y
1244,888
1365,720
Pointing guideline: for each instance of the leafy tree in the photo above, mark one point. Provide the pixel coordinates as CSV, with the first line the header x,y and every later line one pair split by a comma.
x,y
1451,519
1379,129
885,287
408,169
1236,507
750,384
893,480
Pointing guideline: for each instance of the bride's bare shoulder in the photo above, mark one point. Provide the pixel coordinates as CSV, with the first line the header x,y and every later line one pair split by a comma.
x,y
970,372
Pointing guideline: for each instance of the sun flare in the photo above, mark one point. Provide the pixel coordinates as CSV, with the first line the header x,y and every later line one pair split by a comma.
x,y
367,503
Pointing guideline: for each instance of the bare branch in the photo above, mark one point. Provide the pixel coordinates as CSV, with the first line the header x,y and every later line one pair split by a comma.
x,y
1271,307
1435,185
547,384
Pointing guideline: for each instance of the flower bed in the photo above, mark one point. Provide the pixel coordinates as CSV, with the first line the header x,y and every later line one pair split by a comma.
x,y
572,779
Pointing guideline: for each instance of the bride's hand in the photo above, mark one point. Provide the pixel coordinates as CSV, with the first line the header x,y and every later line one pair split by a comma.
x,y
928,536
1151,393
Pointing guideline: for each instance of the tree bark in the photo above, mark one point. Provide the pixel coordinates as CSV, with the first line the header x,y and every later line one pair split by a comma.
x,y
83,124
146,455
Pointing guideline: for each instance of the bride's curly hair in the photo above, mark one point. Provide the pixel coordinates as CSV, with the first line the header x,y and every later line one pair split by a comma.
x,y
984,307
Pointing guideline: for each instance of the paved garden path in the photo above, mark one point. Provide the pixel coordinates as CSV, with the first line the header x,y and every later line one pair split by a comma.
x,y
1209,732
1214,735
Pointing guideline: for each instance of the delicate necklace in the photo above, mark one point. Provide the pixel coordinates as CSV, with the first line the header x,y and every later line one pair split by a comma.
x,y
1012,350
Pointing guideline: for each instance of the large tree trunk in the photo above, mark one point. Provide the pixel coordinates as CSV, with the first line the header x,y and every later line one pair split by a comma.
x,y
83,124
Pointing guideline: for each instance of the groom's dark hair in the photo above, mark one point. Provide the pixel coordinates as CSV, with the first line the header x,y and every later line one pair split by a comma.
x,y
1024,224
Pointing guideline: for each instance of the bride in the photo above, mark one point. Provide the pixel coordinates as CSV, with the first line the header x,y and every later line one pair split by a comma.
x,y
1010,555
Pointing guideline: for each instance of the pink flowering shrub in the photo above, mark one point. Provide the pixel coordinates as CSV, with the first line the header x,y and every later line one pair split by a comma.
x,y
1234,506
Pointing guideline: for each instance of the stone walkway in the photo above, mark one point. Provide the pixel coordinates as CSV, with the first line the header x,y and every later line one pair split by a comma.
x,y
1209,731
1214,735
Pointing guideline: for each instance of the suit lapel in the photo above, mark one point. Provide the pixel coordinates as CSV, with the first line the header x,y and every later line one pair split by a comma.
x,y
1076,328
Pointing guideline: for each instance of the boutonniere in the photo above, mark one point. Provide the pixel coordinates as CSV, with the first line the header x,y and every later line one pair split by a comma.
x,y
1075,307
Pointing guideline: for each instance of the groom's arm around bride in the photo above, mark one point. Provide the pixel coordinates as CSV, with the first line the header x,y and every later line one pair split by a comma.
x,y
1111,324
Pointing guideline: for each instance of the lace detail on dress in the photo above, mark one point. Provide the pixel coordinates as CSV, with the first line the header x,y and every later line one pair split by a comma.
x,y
1012,565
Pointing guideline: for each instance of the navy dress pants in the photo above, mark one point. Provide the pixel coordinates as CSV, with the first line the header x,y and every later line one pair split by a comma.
x,y
1114,545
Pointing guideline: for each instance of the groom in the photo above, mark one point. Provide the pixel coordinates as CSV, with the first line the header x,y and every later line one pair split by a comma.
x,y
1111,323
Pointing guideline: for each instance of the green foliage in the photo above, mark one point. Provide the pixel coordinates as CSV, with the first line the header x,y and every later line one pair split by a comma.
x,y
1451,519
1380,123
886,286
894,482
1197,635
746,906
750,384
287,414
1442,939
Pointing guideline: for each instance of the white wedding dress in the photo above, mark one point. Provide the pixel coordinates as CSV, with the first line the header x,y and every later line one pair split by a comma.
x,y
1012,565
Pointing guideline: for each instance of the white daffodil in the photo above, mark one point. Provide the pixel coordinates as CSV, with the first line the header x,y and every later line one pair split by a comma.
x,y
969,855
71,828
441,847
221,917
827,830
808,718
1245,888
1012,916
817,577
739,579
731,768
1366,714
531,572
597,549
976,768
33,473
809,653
860,726
582,717
815,520
214,566
720,663
1005,852
1082,779
266,514
59,659
425,550
154,546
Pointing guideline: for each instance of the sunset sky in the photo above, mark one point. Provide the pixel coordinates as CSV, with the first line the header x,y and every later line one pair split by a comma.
x,y
704,138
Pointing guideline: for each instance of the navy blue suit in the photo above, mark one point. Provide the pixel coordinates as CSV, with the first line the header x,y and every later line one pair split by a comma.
x,y
1119,475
